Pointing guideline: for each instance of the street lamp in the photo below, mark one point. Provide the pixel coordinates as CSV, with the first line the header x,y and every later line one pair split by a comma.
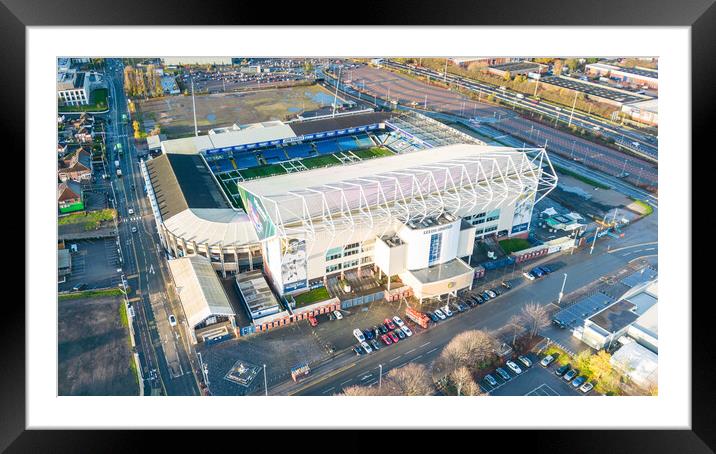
x,y
265,382
380,376
561,292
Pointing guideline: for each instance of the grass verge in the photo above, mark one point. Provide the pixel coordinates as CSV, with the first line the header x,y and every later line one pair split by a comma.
x,y
311,296
90,293
514,245
90,219
580,177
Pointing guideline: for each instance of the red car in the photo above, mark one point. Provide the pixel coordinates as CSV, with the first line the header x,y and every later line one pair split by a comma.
x,y
389,323
393,336
386,340
312,320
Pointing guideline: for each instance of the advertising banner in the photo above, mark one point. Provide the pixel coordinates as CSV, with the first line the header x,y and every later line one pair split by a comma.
x,y
258,215
293,265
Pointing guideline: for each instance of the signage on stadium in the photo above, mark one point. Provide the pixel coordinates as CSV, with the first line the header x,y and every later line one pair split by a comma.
x,y
437,229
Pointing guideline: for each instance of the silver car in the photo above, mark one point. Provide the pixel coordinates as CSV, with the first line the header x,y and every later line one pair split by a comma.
x,y
515,368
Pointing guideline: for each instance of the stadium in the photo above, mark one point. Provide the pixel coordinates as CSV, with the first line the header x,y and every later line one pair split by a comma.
x,y
304,200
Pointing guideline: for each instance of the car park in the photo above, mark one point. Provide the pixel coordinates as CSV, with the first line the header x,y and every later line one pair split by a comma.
x,y
386,339
537,272
570,375
338,315
446,310
579,381
172,320
461,307
358,350
366,347
406,330
389,323
514,367
561,370
547,360
376,332
585,388
394,337
359,335
433,317
440,314
503,373
491,380
470,302
478,299
382,329
368,334
529,275
375,344
331,316
506,285
492,293
398,321
400,333
525,360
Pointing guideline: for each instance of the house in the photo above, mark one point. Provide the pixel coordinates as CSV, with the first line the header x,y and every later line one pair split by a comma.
x,y
84,134
75,167
69,197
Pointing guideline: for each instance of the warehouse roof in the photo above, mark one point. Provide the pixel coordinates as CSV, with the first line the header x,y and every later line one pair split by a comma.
x,y
615,317
199,289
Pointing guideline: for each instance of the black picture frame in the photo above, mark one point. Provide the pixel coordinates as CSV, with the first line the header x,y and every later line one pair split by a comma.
x,y
700,15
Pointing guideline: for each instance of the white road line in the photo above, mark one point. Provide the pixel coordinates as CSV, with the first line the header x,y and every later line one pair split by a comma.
x,y
650,249
410,351
417,357
425,344
365,377
343,383
329,390
430,351
395,358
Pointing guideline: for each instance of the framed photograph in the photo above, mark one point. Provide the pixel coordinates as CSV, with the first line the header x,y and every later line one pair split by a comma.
x,y
455,219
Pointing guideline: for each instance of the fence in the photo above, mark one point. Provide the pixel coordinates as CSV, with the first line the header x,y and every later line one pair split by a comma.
x,y
364,299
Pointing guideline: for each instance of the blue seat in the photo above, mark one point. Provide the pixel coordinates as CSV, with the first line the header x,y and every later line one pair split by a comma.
x,y
274,155
245,160
302,150
327,146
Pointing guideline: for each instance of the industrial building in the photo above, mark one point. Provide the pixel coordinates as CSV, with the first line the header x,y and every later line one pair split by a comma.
x,y
634,76
177,61
207,309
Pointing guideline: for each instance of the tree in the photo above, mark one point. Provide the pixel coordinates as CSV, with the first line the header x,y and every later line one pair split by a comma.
x,y
507,75
535,317
582,362
410,380
600,365
357,390
129,80
557,67
461,379
471,349
517,325
572,64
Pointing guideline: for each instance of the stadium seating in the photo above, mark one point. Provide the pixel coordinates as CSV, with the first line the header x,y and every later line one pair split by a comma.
x,y
327,146
347,143
274,155
222,165
245,160
364,141
303,150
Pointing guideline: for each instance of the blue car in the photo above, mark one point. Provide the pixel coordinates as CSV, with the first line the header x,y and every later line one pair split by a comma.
x,y
545,269
537,272
368,334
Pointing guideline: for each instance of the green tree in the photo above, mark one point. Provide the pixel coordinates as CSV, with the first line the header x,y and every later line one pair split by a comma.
x,y
582,362
507,75
572,64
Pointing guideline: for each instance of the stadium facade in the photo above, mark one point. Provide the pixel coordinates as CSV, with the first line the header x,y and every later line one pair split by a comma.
x,y
414,213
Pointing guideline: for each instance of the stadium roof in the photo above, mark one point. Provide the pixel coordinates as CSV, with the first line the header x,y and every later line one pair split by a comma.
x,y
339,122
191,204
199,289
453,178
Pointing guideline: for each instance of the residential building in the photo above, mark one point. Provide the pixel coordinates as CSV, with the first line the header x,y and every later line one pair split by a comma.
x,y
76,167
73,88
69,197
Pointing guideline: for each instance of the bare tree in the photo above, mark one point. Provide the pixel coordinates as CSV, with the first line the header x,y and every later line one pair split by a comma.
x,y
410,380
465,385
535,317
517,325
357,390
470,349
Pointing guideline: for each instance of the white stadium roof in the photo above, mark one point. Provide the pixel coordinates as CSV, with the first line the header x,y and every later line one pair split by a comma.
x,y
453,178
253,133
212,226
200,291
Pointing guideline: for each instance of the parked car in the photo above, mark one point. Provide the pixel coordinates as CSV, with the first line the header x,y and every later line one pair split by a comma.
x,y
585,388
386,339
382,329
491,380
366,347
368,334
389,323
79,287
461,307
525,360
134,229
529,275
547,360
446,310
358,334
433,317
579,381
331,316
398,321
400,333
358,350
513,365
570,375
545,269
440,314
406,330
486,296
503,373
537,272
375,344
312,320
338,315
507,285
478,299
496,290
561,371
130,211
491,293
394,337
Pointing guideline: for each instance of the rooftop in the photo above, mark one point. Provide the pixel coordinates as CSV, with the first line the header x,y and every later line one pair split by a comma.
x,y
448,270
199,289
615,317
255,291
336,123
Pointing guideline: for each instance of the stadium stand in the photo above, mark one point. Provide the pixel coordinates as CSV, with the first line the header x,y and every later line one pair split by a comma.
x,y
347,143
245,160
274,155
327,146
303,150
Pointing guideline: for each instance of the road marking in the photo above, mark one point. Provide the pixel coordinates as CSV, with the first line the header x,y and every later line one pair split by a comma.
x,y
365,377
430,351
425,344
417,357
410,351
395,358
650,249
343,383
329,389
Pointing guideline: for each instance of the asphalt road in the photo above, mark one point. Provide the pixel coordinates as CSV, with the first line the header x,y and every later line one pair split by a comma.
x,y
164,350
